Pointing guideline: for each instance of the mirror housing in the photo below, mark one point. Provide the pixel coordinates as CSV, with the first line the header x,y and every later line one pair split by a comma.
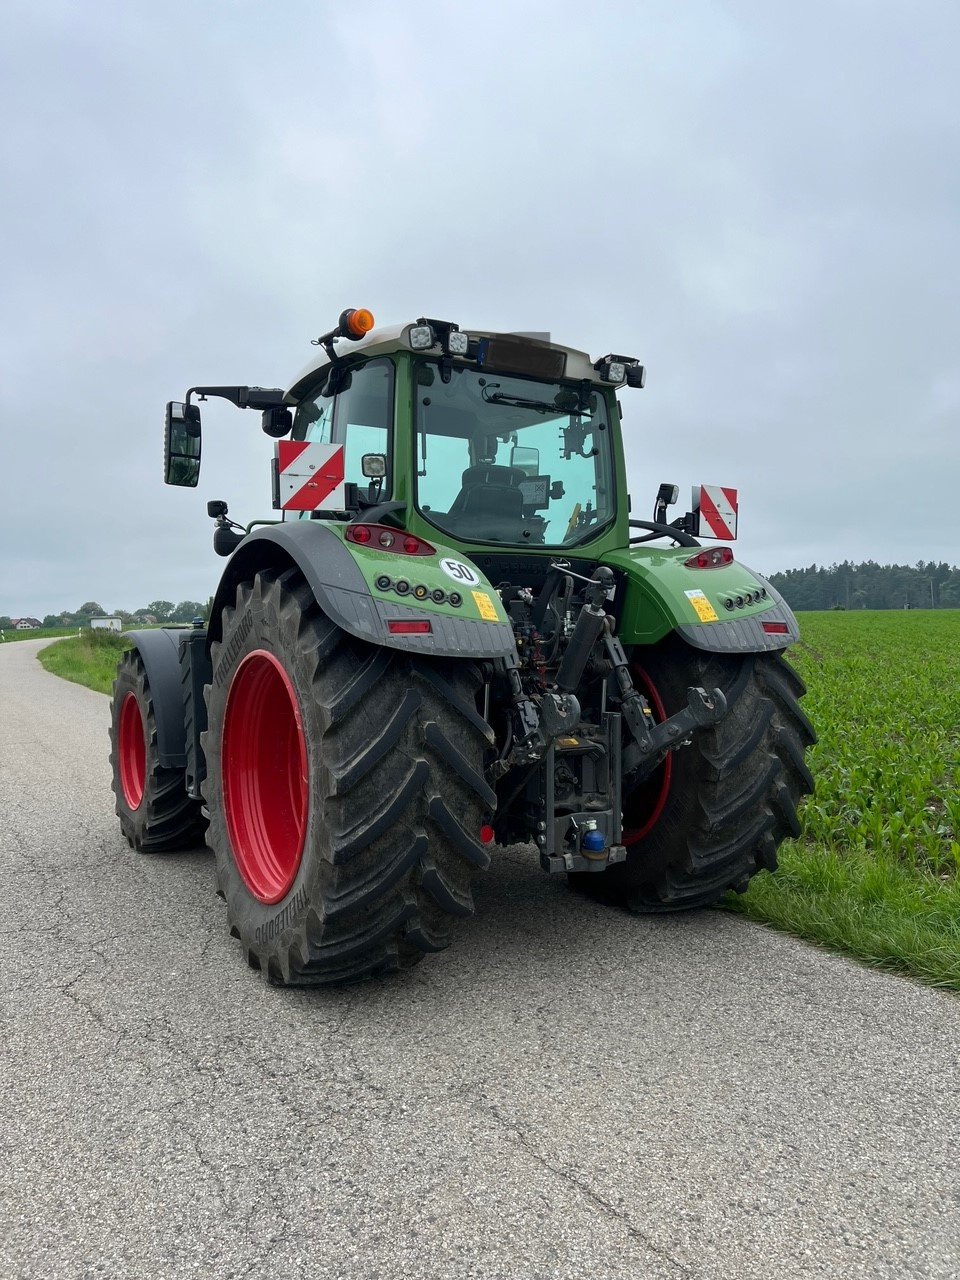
x,y
181,444
276,421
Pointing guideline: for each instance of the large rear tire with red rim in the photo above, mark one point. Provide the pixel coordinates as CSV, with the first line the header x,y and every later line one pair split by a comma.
x,y
715,813
156,813
346,790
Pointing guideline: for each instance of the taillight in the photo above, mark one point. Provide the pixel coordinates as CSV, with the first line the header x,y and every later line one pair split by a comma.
x,y
776,628
383,538
486,834
711,558
409,626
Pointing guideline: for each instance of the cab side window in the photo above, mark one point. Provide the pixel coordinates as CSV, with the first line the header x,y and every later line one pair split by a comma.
x,y
359,416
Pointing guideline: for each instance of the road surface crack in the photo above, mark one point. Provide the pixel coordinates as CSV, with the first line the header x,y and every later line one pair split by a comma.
x,y
585,1189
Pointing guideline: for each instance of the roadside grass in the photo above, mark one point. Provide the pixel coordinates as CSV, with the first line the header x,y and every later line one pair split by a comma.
x,y
876,871
89,659
41,633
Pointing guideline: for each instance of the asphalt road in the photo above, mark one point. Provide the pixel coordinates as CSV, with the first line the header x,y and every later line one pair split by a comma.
x,y
568,1092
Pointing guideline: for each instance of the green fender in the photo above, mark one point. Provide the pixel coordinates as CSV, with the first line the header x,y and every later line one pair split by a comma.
x,y
343,577
721,610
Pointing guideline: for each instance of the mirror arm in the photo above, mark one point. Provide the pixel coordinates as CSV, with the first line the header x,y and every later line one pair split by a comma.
x,y
242,397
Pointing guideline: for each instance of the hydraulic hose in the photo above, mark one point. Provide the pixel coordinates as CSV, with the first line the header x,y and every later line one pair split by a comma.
x,y
659,530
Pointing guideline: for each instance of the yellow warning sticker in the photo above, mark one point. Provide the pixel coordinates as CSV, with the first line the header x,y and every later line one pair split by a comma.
x,y
488,610
701,605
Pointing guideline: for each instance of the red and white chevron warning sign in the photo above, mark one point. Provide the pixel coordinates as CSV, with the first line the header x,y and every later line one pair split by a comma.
x,y
310,475
716,507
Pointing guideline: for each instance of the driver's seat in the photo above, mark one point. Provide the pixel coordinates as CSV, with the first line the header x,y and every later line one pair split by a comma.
x,y
490,502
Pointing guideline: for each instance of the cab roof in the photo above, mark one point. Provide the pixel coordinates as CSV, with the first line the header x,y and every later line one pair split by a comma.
x,y
385,339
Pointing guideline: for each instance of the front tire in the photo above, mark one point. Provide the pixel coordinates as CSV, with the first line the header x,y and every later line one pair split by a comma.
x,y
715,813
156,813
346,790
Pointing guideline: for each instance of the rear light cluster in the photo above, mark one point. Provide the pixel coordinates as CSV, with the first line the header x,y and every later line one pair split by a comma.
x,y
776,628
419,592
711,558
743,598
379,537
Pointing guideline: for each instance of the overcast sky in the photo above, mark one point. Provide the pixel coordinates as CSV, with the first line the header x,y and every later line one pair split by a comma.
x,y
761,200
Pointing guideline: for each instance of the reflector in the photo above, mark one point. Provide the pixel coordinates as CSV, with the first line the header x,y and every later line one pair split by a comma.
x,y
409,626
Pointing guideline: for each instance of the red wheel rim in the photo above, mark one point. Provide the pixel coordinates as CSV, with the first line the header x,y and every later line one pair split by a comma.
x,y
264,775
132,751
643,807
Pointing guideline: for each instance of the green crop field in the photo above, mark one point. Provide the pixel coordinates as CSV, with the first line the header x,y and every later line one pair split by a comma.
x,y
876,872
41,633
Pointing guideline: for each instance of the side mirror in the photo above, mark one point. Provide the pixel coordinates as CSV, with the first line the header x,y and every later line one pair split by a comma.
x,y
525,459
181,445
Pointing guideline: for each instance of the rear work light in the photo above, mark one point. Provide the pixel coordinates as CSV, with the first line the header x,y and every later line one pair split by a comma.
x,y
711,558
382,538
409,626
776,628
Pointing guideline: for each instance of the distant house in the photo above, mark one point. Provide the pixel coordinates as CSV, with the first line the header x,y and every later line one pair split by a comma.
x,y
106,624
25,624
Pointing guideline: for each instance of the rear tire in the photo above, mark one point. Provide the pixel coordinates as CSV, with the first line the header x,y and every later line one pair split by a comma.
x,y
362,862
727,801
156,814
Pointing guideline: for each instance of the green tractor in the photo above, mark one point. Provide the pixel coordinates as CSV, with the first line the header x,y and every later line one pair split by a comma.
x,y
453,637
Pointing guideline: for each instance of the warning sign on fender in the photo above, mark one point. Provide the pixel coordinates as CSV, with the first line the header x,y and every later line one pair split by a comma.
x,y
716,509
310,476
702,606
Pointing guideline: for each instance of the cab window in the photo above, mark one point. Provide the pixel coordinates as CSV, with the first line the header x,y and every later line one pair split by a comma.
x,y
359,416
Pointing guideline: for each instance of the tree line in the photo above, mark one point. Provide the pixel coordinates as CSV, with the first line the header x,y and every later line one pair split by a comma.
x,y
925,585
155,611
837,586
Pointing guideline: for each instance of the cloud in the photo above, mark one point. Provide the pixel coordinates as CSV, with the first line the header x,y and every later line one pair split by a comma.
x,y
760,202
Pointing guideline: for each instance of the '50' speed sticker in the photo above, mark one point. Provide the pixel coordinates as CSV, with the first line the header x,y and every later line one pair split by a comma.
x,y
460,572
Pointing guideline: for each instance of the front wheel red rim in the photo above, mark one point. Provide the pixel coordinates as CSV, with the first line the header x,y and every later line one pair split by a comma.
x,y
264,776
644,806
132,751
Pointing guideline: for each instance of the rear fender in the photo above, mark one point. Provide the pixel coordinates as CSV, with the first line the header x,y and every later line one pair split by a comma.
x,y
342,576
159,652
662,594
